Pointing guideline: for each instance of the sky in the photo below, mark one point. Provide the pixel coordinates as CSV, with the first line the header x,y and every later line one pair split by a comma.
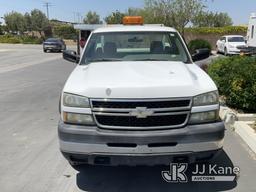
x,y
68,10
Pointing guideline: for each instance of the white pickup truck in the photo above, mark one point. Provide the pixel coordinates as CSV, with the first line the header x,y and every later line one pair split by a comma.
x,y
137,98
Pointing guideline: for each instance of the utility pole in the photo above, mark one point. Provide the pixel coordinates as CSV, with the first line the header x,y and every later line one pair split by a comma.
x,y
47,5
74,13
78,18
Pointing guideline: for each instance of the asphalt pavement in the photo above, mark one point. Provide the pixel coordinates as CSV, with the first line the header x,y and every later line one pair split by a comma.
x,y
30,161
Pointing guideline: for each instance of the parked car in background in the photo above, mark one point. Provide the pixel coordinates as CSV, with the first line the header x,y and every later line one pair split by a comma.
x,y
228,44
54,44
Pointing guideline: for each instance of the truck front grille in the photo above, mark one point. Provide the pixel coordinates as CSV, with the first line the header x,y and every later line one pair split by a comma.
x,y
128,121
148,104
143,114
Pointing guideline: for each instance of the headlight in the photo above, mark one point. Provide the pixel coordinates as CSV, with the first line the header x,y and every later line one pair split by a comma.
x,y
204,117
71,100
77,118
210,98
231,46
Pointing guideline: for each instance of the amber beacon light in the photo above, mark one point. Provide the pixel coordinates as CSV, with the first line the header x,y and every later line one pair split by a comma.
x,y
133,20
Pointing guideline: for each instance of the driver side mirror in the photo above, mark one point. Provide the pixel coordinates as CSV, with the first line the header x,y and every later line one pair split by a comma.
x,y
201,54
71,56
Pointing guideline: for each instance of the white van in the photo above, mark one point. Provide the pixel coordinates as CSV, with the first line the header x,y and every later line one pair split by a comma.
x,y
250,47
251,35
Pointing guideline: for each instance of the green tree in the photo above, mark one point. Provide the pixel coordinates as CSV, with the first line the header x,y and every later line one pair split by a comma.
x,y
65,31
28,21
175,13
135,12
92,18
15,22
1,30
115,18
39,21
222,20
211,19
158,11
4,29
183,12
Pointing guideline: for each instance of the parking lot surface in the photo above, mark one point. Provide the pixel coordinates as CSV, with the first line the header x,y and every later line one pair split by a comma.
x,y
30,86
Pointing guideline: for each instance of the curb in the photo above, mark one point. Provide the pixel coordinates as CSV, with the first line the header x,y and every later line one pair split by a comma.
x,y
240,124
246,117
246,133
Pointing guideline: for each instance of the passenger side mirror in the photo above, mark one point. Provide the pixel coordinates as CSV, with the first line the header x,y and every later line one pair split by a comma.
x,y
201,54
71,56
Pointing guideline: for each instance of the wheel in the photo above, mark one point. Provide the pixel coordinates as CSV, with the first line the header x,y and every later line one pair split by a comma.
x,y
225,51
45,50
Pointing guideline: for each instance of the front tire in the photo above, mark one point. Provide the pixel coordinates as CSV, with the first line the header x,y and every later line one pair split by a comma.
x,y
45,50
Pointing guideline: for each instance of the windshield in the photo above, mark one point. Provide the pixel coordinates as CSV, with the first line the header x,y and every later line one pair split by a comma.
x,y
52,40
135,46
236,39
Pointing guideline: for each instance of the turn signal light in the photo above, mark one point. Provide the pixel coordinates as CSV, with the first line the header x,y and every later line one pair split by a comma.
x,y
133,20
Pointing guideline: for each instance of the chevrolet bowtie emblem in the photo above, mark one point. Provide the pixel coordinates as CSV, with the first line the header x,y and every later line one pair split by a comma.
x,y
108,91
141,112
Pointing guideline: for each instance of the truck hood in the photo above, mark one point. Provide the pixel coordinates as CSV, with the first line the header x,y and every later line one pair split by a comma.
x,y
143,79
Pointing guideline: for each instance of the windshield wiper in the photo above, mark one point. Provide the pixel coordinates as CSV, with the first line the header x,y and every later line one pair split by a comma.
x,y
150,59
103,59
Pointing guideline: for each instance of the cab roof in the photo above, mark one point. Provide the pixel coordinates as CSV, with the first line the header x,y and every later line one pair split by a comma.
x,y
130,28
